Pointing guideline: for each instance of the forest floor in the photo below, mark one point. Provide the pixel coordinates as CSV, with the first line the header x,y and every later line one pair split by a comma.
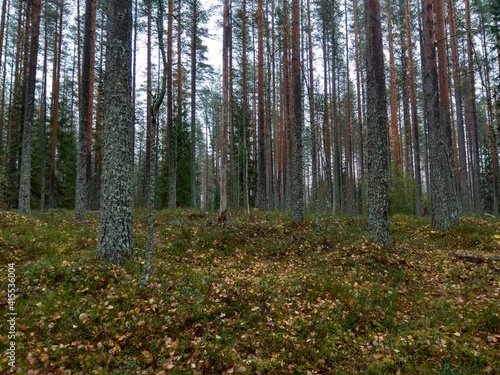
x,y
252,296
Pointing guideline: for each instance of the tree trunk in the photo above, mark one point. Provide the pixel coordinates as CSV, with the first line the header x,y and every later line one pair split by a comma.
x,y
377,146
171,149
444,90
439,159
25,180
149,104
86,106
225,113
414,115
261,173
115,238
463,181
396,148
194,38
297,162
55,105
244,83
358,90
472,116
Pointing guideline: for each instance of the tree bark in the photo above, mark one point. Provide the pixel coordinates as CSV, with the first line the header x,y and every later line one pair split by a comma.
x,y
86,106
171,149
439,159
225,113
25,180
473,126
376,118
463,181
261,161
396,148
414,115
297,155
115,238
194,55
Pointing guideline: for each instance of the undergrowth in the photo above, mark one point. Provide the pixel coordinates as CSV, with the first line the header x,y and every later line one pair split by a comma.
x,y
255,295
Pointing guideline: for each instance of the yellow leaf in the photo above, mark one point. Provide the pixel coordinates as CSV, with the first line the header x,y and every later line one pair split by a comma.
x,y
148,357
44,357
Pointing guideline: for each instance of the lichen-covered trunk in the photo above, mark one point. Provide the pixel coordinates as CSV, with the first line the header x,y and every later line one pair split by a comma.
x,y
439,166
25,179
115,241
297,123
376,119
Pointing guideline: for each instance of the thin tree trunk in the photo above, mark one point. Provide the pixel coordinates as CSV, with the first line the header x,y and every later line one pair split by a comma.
x,y
297,155
358,90
473,123
225,113
396,148
43,109
194,36
86,107
149,106
414,115
3,66
244,83
55,105
171,149
261,173
350,180
25,180
463,181
151,182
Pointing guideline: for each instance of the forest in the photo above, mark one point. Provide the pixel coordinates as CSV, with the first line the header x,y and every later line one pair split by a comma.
x,y
250,186
242,128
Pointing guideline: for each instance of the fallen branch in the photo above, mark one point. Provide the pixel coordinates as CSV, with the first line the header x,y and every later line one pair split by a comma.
x,y
476,259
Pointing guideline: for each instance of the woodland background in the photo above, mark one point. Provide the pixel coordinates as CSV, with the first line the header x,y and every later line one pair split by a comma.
x,y
334,102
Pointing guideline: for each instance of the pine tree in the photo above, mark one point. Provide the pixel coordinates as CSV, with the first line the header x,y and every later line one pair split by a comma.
x,y
376,119
115,240
25,179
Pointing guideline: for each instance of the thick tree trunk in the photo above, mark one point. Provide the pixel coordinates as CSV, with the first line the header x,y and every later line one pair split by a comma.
x,y
442,214
115,239
376,118
25,180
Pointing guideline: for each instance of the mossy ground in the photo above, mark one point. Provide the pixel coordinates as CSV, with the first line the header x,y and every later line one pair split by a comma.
x,y
253,295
